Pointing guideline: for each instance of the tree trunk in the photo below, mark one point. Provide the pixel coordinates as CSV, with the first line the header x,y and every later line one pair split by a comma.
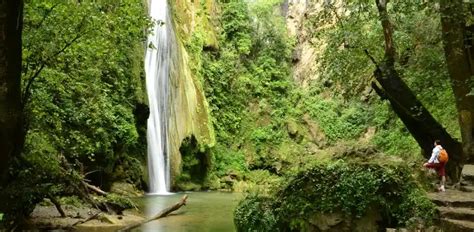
x,y
460,68
11,120
56,203
417,119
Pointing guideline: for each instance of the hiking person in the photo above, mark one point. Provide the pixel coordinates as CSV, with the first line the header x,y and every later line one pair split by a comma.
x,y
437,161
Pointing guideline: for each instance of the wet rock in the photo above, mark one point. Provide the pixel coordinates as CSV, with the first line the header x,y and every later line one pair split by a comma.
x,y
339,222
125,189
317,135
453,198
296,55
326,221
292,128
468,174
368,222
108,219
456,206
228,180
452,225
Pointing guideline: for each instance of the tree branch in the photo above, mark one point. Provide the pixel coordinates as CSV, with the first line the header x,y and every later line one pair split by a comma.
x,y
80,186
379,91
95,189
161,214
39,25
46,15
371,58
387,30
27,92
58,206
94,216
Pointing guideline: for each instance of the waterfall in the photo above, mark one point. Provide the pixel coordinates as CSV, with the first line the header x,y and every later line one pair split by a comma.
x,y
159,59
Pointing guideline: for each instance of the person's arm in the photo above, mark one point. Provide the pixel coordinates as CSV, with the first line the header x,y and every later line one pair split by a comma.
x,y
434,155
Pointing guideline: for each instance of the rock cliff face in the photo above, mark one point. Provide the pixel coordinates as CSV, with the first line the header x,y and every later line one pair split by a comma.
x,y
309,48
189,115
305,55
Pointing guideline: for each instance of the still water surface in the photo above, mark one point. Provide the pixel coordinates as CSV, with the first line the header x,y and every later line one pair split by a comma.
x,y
204,212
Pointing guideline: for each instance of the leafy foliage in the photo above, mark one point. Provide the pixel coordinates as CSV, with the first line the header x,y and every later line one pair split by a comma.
x,y
251,66
117,201
248,83
347,29
82,77
339,121
255,214
339,186
88,59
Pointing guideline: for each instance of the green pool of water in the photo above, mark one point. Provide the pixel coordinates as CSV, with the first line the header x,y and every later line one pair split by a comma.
x,y
204,211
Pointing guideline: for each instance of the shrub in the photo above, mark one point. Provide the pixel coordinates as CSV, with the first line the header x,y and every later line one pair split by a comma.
x,y
342,186
255,214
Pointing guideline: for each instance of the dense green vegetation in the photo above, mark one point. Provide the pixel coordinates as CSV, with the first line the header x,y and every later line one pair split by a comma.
x,y
286,142
265,122
253,100
83,88
348,186
249,66
84,100
421,65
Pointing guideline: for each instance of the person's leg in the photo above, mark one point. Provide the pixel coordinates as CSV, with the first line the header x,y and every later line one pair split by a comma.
x,y
443,182
442,174
430,165
435,167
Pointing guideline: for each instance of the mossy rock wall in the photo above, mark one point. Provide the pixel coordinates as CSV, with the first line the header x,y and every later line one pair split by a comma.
x,y
189,114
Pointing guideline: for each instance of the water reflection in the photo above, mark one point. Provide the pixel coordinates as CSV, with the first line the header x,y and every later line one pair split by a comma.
x,y
204,211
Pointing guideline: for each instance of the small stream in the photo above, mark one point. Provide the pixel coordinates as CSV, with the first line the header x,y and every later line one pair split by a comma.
x,y
204,212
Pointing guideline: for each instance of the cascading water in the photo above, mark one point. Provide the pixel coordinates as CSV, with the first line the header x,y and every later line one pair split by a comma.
x,y
158,64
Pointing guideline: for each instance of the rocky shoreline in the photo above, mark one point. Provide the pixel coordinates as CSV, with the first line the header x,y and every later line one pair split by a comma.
x,y
79,218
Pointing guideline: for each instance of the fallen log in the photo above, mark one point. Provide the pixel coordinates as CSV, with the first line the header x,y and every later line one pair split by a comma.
x,y
94,216
95,189
161,214
81,186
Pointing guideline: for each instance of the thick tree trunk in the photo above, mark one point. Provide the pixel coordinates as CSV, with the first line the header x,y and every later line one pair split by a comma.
x,y
11,120
419,122
417,119
460,68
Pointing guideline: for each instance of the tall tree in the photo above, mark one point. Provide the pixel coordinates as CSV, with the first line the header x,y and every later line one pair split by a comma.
x,y
418,120
457,49
11,119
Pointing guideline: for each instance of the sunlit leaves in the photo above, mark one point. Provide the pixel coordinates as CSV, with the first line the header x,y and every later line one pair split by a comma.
x,y
86,60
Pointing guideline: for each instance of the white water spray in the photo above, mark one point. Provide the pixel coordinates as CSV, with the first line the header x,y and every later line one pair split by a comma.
x,y
158,64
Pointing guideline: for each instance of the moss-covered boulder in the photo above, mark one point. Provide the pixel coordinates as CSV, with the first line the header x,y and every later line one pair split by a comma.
x,y
340,195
